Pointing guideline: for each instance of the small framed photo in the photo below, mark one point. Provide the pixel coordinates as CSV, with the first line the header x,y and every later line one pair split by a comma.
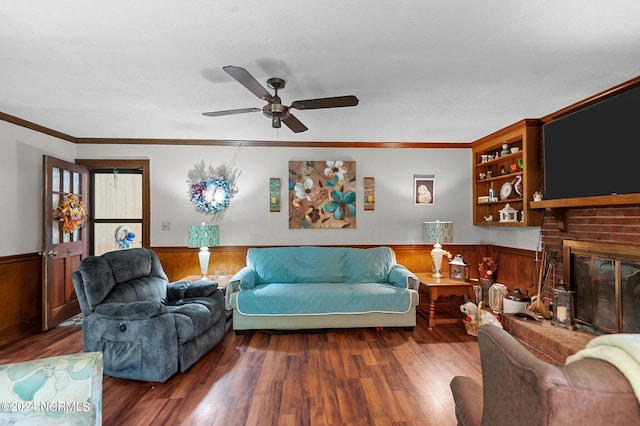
x,y
424,190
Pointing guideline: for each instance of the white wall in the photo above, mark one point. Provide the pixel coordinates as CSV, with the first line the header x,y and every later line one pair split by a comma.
x,y
396,220
21,152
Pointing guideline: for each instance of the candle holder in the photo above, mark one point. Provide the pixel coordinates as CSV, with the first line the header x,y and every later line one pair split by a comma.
x,y
563,307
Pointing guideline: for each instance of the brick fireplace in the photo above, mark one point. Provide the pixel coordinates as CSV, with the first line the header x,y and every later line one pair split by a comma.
x,y
619,225
547,342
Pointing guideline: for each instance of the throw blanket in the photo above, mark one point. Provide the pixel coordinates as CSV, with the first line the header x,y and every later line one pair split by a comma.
x,y
621,350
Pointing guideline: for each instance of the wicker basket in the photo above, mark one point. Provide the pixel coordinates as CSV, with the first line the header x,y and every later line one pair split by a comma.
x,y
472,327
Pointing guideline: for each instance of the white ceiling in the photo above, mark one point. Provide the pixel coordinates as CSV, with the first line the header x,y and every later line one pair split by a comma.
x,y
424,70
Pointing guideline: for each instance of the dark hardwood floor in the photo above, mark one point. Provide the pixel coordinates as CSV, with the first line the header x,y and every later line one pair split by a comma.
x,y
338,377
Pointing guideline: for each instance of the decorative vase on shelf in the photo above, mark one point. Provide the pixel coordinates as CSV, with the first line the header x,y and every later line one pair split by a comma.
x,y
486,284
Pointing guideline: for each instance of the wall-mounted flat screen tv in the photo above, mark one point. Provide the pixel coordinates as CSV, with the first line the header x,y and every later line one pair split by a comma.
x,y
595,150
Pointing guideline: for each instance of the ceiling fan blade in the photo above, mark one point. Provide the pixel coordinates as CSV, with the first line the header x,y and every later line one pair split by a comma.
x,y
247,80
294,124
231,112
335,102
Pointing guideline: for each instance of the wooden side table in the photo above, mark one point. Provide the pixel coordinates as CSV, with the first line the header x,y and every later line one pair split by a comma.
x,y
445,285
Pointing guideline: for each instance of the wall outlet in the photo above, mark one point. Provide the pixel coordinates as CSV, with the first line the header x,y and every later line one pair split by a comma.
x,y
166,225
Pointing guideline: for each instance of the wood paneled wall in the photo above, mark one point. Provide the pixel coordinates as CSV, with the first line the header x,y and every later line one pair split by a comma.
x,y
516,267
21,278
20,295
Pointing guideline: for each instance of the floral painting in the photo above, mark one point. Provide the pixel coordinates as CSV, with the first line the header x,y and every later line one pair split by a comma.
x,y
322,194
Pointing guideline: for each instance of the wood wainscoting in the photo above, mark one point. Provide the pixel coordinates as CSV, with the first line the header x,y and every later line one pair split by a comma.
x,y
21,276
179,261
20,296
516,267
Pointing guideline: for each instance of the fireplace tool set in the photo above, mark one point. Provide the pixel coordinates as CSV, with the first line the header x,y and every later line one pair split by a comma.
x,y
544,270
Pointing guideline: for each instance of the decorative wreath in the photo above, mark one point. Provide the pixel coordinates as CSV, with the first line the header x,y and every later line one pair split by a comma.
x,y
71,213
211,195
124,237
211,189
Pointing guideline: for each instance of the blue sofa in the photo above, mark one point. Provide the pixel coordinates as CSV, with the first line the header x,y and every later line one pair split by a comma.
x,y
308,287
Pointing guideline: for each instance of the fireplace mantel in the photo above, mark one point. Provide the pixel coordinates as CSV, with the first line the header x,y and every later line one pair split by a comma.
x,y
558,208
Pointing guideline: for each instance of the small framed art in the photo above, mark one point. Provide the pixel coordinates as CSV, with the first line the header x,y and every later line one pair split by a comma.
x,y
424,190
369,193
274,194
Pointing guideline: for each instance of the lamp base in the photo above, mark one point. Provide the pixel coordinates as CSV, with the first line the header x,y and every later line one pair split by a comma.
x,y
436,254
203,257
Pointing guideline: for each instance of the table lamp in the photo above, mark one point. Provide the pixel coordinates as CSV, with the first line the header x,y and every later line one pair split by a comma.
x,y
437,232
203,236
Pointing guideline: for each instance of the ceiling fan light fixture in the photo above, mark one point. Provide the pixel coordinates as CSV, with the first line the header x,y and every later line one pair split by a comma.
x,y
274,109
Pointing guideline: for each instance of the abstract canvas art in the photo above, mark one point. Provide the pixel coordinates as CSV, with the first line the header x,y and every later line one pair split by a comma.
x,y
322,194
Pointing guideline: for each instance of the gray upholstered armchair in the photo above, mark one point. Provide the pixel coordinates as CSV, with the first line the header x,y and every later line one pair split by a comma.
x,y
519,389
147,328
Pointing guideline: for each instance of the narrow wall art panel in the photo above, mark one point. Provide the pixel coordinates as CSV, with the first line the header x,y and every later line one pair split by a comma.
x,y
274,195
322,194
369,193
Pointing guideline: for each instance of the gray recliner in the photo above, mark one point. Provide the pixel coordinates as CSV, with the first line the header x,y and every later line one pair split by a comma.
x,y
147,328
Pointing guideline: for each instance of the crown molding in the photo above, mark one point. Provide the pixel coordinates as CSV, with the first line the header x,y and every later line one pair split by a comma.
x,y
36,127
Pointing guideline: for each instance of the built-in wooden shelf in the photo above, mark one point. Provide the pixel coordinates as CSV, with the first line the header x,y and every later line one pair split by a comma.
x,y
558,208
506,169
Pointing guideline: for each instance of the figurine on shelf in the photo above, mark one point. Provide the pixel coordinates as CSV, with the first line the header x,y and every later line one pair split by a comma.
x,y
492,193
537,196
517,185
505,150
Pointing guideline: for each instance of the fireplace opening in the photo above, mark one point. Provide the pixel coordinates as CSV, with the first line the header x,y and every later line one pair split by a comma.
x,y
606,281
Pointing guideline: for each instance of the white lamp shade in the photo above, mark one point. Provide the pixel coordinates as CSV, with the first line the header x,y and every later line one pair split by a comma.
x,y
437,232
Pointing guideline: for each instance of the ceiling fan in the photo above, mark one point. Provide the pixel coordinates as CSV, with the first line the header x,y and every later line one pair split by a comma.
x,y
274,109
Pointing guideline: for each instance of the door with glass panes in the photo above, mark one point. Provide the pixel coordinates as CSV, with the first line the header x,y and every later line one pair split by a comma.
x,y
64,236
